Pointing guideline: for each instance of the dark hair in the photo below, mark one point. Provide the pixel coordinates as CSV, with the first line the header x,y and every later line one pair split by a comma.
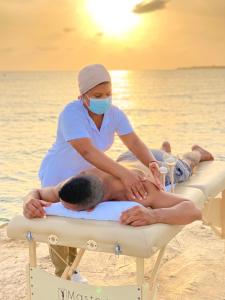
x,y
85,191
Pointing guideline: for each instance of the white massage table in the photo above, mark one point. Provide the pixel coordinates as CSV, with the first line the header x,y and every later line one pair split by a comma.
x,y
107,236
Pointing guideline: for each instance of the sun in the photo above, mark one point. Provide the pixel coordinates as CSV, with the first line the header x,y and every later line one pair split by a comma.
x,y
113,17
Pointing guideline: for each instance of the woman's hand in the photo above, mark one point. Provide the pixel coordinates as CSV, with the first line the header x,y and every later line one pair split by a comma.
x,y
134,186
154,168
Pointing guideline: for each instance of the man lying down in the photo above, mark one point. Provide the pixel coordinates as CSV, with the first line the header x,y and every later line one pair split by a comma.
x,y
89,188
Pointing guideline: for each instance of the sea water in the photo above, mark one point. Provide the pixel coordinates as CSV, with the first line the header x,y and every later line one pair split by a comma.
x,y
185,106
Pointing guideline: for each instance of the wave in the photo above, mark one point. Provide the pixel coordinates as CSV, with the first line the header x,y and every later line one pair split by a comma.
x,y
10,178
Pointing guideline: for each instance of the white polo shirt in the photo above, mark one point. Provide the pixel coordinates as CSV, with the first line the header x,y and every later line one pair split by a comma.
x,y
62,160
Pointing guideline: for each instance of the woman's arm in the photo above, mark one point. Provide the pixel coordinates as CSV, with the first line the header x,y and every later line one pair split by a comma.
x,y
138,148
131,181
141,151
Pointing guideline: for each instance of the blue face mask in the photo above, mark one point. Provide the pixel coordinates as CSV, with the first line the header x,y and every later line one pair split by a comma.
x,y
100,106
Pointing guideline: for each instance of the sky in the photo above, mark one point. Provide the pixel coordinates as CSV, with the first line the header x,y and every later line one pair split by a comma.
x,y
121,34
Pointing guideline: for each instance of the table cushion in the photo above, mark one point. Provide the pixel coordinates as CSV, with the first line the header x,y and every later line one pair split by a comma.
x,y
209,177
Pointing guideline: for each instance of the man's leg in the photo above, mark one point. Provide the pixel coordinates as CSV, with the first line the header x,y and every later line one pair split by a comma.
x,y
184,166
197,155
129,156
68,255
193,158
166,147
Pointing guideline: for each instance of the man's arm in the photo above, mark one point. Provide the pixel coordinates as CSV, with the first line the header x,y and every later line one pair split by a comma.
x,y
180,214
37,199
164,208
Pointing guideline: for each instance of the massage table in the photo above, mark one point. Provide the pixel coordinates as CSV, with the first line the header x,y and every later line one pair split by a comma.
x,y
206,188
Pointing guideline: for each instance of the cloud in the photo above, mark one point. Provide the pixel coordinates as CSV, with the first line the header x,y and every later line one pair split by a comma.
x,y
68,29
99,34
150,6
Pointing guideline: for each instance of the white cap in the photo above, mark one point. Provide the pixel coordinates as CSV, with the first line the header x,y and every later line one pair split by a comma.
x,y
92,75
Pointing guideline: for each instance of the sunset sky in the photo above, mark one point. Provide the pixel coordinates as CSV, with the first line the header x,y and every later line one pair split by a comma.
x,y
122,34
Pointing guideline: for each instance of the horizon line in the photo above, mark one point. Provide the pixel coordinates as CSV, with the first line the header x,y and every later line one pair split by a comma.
x,y
129,69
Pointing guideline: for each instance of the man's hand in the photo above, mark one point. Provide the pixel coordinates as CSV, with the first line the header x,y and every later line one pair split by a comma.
x,y
138,216
34,208
154,168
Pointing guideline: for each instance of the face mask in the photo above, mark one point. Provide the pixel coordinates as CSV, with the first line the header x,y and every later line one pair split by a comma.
x,y
100,106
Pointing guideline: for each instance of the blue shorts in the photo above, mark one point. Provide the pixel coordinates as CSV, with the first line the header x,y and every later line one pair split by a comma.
x,y
182,170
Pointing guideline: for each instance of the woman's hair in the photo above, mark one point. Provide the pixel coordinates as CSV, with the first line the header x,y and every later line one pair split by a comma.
x,y
85,191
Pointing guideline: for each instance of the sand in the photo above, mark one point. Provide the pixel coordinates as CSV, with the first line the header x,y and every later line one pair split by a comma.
x,y
193,267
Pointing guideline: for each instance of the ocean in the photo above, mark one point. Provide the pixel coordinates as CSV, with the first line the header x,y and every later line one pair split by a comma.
x,y
185,106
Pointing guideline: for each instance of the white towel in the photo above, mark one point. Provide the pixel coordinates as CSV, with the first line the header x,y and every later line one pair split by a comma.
x,y
105,211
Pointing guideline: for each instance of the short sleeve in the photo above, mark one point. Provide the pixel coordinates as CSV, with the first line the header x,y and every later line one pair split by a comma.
x,y
123,125
72,125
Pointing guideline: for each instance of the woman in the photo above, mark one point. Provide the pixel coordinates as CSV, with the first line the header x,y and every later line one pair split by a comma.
x,y
86,129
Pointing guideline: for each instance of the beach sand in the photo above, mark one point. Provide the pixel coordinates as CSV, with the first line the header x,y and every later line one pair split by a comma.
x,y
193,267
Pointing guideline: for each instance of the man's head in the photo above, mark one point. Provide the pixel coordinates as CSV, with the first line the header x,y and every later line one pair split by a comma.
x,y
82,192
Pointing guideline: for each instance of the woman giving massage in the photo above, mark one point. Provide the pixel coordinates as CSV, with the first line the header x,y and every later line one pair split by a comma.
x,y
86,129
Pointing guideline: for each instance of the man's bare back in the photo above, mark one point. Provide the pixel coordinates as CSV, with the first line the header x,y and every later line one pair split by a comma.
x,y
113,187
